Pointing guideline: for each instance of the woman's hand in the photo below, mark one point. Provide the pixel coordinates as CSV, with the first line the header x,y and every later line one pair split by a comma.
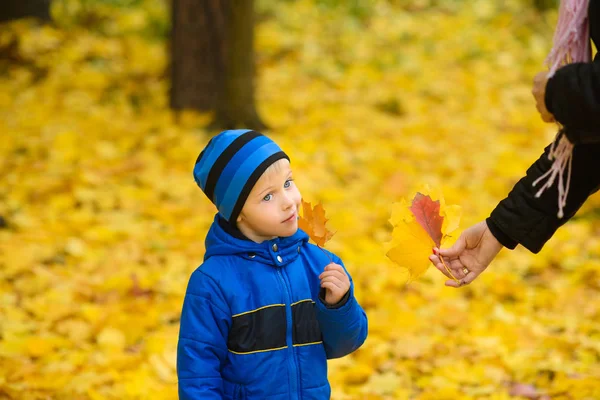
x,y
539,94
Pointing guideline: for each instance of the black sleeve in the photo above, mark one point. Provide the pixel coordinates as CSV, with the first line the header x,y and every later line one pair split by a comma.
x,y
339,304
521,218
573,97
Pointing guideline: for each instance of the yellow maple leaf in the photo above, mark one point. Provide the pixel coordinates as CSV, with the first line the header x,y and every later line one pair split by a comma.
x,y
313,223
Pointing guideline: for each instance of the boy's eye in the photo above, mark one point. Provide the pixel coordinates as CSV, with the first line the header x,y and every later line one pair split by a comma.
x,y
287,183
268,197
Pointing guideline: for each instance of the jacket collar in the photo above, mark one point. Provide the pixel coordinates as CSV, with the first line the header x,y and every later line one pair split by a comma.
x,y
226,240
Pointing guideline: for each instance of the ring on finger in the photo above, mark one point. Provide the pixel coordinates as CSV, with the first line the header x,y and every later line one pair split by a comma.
x,y
465,270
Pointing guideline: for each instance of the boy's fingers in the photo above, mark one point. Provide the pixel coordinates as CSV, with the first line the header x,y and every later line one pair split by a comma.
x,y
330,272
335,270
334,280
338,274
330,286
333,266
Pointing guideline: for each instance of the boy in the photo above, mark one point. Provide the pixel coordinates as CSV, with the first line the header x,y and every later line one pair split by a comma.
x,y
266,309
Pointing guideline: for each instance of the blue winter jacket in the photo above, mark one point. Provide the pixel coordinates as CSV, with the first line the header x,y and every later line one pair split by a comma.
x,y
253,325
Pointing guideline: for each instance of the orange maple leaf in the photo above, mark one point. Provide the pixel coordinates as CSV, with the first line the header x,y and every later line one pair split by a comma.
x,y
313,223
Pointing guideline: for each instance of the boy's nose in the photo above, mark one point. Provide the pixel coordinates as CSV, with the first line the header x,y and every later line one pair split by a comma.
x,y
288,201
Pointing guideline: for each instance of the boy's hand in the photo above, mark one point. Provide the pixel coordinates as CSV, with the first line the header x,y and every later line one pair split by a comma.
x,y
539,93
336,283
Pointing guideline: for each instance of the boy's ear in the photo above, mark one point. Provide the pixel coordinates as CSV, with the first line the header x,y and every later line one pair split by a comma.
x,y
239,218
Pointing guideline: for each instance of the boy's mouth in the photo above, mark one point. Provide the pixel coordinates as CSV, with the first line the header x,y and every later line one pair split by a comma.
x,y
291,218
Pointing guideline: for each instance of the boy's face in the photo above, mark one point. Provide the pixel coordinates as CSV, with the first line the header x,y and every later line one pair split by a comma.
x,y
271,209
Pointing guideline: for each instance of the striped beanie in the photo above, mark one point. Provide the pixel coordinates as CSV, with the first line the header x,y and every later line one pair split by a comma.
x,y
229,166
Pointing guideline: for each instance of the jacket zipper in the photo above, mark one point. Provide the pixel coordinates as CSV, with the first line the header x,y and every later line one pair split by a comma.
x,y
239,394
294,380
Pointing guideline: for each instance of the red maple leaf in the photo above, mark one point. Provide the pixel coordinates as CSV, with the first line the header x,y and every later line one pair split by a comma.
x,y
427,214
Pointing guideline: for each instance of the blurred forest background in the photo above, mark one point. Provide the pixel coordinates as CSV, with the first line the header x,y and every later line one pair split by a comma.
x,y
105,105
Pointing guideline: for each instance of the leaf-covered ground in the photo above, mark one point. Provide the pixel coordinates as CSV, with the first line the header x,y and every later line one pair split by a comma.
x,y
101,223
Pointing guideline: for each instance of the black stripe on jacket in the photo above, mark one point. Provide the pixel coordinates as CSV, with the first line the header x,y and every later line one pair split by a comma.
x,y
264,329
258,330
306,327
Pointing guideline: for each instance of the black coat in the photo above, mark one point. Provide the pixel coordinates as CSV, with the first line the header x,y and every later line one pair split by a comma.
x,y
573,97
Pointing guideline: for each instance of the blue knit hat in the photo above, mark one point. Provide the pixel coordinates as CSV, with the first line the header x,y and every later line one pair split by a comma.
x,y
229,166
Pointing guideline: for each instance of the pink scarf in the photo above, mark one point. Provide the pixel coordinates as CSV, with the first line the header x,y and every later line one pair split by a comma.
x,y
571,44
571,37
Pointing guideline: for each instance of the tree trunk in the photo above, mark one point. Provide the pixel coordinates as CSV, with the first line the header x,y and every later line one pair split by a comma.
x,y
212,60
196,53
15,9
236,105
545,5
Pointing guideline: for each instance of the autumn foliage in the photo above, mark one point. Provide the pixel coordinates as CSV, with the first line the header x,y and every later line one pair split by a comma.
x,y
101,223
